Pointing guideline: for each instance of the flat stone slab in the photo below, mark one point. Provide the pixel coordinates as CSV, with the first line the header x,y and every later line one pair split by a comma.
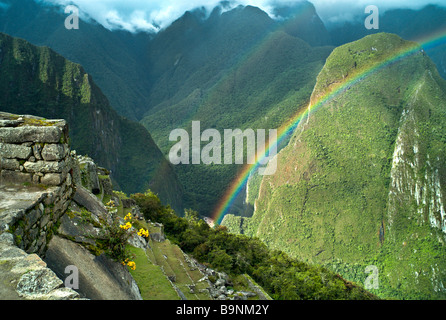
x,y
16,200
100,278
19,197
30,134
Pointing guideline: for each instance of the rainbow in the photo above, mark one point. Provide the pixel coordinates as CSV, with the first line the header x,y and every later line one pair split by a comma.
x,y
239,183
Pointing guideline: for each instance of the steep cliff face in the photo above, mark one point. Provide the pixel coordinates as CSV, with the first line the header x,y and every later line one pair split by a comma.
x,y
362,181
417,175
36,80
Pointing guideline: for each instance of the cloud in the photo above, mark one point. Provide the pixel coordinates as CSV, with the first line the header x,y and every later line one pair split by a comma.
x,y
153,15
134,15
332,11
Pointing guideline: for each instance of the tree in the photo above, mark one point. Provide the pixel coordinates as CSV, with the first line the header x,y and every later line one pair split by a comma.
x,y
220,260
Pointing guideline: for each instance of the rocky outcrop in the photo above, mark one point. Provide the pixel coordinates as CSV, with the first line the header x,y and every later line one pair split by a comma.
x,y
416,176
364,173
36,188
49,226
26,276
45,194
31,215
220,285
100,278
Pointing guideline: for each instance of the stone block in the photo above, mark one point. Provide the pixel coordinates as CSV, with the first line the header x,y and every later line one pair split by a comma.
x,y
47,134
9,164
107,185
37,149
32,217
44,166
36,179
52,179
53,152
90,177
10,123
38,282
32,236
44,221
12,151
8,176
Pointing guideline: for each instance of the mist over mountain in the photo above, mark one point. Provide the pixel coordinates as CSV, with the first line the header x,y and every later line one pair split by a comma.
x,y
249,72
153,16
110,57
183,72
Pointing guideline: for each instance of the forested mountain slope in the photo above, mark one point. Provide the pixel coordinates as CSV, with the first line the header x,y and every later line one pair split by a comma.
x,y
362,181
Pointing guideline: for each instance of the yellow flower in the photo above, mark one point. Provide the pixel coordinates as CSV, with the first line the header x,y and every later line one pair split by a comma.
x,y
128,217
132,265
127,226
143,233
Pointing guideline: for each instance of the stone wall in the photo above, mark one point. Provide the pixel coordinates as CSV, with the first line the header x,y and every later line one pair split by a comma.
x,y
36,187
33,150
36,184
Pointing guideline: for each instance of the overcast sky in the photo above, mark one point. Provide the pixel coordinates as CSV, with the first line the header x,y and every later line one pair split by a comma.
x,y
150,15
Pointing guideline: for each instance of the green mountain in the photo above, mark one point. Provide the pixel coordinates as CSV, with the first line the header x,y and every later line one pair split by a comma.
x,y
362,181
36,80
301,20
251,73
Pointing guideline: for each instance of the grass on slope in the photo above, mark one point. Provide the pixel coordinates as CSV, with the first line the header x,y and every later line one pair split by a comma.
x,y
160,261
151,280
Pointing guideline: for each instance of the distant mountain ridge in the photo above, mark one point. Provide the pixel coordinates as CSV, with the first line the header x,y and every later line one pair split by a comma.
x,y
237,69
110,57
36,80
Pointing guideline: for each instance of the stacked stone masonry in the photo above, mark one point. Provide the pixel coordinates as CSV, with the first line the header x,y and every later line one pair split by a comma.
x,y
36,188
33,150
35,154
